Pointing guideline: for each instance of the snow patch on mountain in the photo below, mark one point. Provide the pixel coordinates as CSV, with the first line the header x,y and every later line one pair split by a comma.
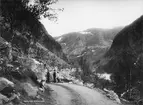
x,y
84,32
59,39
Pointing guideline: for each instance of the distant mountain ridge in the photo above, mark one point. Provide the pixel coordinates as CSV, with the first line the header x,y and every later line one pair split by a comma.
x,y
87,46
89,37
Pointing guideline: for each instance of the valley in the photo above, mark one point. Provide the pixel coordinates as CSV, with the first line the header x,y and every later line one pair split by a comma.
x,y
88,67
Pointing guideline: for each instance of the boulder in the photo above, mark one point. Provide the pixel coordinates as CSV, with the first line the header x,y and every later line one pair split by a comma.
x,y
76,81
3,98
35,66
4,83
90,85
30,90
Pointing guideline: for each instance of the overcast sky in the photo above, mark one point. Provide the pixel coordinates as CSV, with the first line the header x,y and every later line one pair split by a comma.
x,y
79,15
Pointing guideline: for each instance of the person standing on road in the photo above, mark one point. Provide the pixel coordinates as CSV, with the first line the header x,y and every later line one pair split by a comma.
x,y
48,76
58,77
54,76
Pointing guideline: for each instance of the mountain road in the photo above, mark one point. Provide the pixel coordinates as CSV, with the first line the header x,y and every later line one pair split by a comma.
x,y
71,94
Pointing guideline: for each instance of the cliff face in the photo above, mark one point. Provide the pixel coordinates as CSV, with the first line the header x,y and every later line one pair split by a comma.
x,y
124,60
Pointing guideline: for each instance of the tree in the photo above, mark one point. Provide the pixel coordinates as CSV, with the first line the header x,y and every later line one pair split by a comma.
x,y
15,11
37,9
41,8
23,17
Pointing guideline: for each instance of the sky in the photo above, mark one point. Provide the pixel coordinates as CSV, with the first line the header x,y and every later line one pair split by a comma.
x,y
79,15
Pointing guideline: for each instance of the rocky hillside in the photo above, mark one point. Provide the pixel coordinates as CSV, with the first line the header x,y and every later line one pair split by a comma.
x,y
25,46
85,48
124,60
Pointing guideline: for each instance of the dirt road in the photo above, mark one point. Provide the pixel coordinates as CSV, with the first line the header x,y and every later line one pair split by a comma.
x,y
71,94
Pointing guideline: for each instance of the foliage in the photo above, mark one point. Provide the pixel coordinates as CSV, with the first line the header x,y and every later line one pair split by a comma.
x,y
37,9
41,8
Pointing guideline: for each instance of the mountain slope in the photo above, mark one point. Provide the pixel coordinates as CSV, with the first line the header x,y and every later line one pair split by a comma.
x,y
85,48
124,60
25,49
89,37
